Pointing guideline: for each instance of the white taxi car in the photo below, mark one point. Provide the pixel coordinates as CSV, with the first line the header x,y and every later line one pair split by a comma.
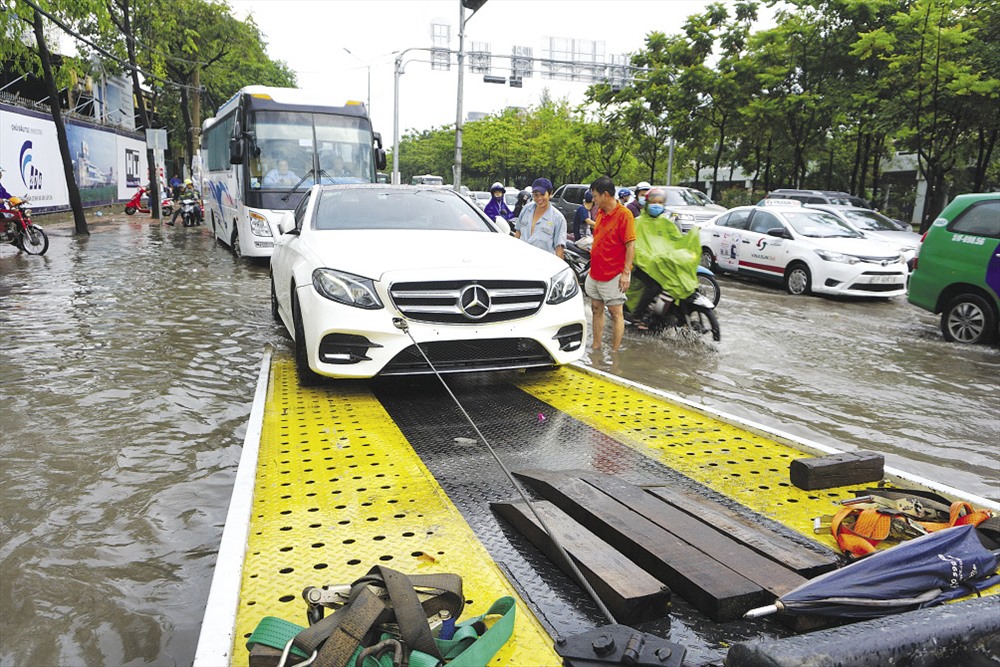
x,y
363,274
805,249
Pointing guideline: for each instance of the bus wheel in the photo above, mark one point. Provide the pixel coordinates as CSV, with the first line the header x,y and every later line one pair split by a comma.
x,y
237,251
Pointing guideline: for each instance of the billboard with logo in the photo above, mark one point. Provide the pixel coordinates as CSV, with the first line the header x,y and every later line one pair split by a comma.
x,y
107,166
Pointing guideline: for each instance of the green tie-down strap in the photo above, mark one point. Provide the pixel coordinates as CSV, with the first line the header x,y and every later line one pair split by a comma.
x,y
465,649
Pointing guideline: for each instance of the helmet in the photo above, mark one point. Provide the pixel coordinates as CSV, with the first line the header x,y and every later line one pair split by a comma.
x,y
624,192
643,185
496,186
187,181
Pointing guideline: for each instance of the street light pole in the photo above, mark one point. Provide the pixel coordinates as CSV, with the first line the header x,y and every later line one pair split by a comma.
x,y
474,5
369,68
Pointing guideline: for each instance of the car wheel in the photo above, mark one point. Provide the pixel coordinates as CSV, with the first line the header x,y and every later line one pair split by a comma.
x,y
274,302
307,376
798,280
707,259
969,318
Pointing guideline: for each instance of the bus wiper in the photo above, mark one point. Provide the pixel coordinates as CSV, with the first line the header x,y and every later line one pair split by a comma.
x,y
296,186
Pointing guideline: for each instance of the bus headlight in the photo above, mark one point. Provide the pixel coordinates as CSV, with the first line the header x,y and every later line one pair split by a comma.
x,y
258,225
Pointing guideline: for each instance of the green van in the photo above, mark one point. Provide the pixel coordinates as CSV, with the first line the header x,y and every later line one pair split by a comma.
x,y
957,270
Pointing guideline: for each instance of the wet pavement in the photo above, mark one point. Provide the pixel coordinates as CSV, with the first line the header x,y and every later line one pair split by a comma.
x,y
129,363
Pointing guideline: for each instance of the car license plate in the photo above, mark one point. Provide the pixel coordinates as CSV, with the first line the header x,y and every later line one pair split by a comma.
x,y
881,280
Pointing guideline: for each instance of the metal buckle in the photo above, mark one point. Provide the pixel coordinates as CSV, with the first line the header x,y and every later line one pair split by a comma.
x,y
288,649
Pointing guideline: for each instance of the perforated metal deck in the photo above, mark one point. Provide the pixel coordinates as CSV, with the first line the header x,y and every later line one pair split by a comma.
x,y
354,474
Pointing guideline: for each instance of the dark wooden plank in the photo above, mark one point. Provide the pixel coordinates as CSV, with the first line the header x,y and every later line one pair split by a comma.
x,y
775,578
707,584
755,535
630,593
843,469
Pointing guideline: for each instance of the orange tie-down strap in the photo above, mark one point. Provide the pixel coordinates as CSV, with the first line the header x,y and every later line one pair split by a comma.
x,y
859,531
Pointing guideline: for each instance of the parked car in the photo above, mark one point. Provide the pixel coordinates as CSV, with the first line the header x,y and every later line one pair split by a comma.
x,y
356,264
482,197
876,226
689,208
567,198
818,197
957,272
805,249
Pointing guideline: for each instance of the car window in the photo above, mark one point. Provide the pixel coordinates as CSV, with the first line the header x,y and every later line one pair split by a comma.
x,y
982,219
680,198
818,224
377,208
300,209
700,197
736,219
870,221
763,221
559,192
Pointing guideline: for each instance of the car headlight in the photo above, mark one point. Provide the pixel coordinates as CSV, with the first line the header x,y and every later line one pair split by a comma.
x,y
258,225
686,217
562,287
346,288
831,256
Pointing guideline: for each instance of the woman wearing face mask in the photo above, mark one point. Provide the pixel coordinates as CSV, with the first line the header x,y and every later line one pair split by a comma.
x,y
662,258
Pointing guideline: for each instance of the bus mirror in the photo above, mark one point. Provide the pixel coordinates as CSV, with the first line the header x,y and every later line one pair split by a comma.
x,y
235,151
377,136
380,158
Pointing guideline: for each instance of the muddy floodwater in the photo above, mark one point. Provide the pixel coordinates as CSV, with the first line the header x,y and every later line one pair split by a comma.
x,y
128,366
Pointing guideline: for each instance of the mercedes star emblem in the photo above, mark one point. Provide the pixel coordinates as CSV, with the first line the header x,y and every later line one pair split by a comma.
x,y
474,301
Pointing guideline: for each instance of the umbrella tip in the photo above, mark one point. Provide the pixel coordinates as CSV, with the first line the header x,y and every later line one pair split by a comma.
x,y
762,611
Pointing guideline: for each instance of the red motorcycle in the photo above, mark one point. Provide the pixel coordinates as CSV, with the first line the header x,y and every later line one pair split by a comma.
x,y
136,203
19,230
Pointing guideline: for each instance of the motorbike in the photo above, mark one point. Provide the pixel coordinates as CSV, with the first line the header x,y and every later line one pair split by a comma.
x,y
190,213
19,230
136,204
577,255
696,313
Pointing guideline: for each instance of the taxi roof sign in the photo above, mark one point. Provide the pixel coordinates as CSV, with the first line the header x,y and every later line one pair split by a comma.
x,y
782,202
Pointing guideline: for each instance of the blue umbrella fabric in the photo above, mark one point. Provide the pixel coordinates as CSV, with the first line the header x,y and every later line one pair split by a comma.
x,y
923,572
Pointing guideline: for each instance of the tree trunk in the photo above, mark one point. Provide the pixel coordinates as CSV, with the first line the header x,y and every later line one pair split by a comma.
x,y
144,117
987,142
75,202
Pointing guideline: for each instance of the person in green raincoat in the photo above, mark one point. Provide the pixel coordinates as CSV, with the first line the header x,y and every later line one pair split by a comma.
x,y
666,257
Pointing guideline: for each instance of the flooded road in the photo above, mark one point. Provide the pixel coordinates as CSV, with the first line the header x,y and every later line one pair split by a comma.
x,y
128,367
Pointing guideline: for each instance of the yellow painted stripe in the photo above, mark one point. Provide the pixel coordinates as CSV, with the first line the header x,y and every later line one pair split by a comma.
x,y
339,490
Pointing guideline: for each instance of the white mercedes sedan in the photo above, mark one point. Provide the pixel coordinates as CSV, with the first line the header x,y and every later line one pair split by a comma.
x,y
371,279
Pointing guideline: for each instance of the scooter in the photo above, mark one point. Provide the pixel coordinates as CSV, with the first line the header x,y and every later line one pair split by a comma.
x,y
190,213
577,255
136,204
18,229
696,313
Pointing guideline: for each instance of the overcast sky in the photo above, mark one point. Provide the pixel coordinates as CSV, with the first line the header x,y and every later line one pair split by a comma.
x,y
311,35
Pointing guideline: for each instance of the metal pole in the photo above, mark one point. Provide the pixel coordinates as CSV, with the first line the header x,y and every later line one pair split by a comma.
x,y
458,115
670,163
369,68
397,71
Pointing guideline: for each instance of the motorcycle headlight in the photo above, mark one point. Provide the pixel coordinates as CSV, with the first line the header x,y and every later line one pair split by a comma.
x,y
258,225
831,256
346,288
562,287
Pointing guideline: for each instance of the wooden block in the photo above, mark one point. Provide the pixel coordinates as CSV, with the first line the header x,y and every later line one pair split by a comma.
x,y
709,585
754,534
842,469
631,594
774,577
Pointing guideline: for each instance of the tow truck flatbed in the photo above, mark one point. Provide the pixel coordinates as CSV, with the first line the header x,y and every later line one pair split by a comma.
x,y
338,478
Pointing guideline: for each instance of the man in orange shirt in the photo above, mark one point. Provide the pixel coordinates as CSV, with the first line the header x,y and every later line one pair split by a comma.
x,y
610,262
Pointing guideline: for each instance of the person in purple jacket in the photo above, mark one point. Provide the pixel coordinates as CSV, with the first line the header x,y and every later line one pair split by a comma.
x,y
497,206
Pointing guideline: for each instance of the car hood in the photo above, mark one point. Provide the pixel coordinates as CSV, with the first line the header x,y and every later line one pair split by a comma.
x,y
700,211
376,253
859,247
900,238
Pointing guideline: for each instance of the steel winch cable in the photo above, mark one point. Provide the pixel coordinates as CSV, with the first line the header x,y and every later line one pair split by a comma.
x,y
404,326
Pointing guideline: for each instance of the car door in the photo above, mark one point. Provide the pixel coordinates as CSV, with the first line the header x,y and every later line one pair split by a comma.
x,y
725,238
287,252
763,255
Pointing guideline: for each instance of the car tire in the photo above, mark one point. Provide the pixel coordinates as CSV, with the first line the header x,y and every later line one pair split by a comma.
x,y
274,302
708,259
307,376
798,280
968,318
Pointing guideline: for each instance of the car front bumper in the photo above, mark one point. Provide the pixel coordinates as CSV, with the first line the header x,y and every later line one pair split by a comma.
x,y
862,280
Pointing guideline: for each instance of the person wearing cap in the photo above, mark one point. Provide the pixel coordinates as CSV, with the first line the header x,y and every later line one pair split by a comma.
x,y
611,259
541,224
639,202
497,207
624,195
581,226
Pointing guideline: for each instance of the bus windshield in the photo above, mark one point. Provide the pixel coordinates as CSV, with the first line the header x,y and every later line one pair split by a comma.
x,y
286,146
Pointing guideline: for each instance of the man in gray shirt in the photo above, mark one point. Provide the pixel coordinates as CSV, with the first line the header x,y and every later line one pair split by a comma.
x,y
541,224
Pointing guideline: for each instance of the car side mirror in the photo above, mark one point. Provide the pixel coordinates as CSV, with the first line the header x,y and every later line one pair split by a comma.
x,y
779,232
502,225
287,224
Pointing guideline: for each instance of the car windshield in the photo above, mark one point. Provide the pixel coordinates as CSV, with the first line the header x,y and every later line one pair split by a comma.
x,y
820,225
870,221
378,208
701,198
681,198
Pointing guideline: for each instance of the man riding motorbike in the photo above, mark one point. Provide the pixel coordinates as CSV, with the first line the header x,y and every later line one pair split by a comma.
x,y
665,258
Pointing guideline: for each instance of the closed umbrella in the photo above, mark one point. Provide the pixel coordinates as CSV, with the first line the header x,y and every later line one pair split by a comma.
x,y
923,572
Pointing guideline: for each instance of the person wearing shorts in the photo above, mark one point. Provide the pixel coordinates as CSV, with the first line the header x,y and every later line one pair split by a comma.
x,y
610,262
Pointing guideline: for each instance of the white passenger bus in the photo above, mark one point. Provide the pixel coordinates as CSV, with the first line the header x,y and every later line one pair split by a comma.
x,y
265,147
